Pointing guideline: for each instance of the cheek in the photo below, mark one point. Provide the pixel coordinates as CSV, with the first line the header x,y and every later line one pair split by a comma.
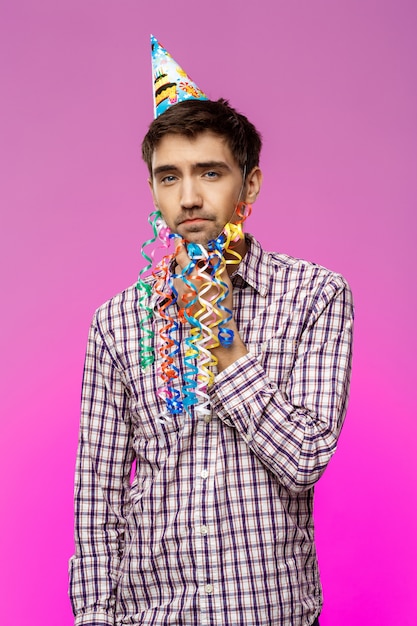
x,y
167,213
229,207
161,200
223,201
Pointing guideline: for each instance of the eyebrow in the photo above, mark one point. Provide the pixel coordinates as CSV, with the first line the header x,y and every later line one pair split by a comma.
x,y
196,166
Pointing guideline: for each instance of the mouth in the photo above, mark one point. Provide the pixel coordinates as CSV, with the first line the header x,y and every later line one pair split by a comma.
x,y
197,229
194,220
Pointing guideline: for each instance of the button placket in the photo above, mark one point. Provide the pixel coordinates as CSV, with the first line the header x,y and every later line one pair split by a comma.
x,y
205,463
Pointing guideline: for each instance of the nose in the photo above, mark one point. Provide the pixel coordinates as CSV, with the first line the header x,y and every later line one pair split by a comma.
x,y
190,194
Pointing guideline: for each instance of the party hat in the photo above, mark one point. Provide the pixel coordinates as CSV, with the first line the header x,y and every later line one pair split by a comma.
x,y
170,83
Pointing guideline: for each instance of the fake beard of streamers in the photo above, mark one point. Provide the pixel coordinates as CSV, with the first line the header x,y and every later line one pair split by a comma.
x,y
169,346
201,306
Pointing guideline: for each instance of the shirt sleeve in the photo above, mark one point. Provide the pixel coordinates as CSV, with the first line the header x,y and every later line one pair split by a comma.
x,y
294,431
102,483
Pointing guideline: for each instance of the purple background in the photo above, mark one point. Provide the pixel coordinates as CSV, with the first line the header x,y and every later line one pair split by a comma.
x,y
332,86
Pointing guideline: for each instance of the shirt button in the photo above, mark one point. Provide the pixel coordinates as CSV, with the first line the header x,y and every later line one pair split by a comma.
x,y
204,473
203,530
207,419
208,588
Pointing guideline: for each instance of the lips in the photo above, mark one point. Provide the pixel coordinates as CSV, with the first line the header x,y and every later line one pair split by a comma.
x,y
194,220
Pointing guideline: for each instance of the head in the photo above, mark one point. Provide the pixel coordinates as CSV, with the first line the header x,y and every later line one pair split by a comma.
x,y
203,158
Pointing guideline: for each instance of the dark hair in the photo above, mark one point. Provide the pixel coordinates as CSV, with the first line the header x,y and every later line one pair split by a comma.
x,y
193,117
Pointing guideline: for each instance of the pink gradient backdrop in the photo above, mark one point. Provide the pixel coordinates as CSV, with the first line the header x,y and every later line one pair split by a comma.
x,y
332,86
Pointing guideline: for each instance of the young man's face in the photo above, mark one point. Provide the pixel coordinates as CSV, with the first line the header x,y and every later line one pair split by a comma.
x,y
196,184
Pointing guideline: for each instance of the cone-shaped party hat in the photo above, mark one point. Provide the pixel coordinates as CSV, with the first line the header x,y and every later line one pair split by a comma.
x,y
170,83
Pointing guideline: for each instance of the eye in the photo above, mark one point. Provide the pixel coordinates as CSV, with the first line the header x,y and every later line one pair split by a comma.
x,y
168,180
211,175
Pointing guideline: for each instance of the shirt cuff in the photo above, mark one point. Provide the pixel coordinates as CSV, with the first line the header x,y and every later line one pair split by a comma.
x,y
94,618
242,390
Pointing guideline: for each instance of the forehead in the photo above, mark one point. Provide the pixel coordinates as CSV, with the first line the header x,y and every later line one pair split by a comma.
x,y
180,150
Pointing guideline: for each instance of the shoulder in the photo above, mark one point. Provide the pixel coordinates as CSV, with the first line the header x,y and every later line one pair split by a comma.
x,y
302,269
292,268
287,274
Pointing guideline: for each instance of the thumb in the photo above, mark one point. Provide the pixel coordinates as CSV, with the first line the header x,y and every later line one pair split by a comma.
x,y
181,255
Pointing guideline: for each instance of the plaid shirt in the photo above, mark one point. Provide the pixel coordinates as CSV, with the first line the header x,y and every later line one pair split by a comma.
x,y
217,527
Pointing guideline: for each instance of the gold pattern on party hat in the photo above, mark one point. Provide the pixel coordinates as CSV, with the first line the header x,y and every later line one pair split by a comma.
x,y
170,83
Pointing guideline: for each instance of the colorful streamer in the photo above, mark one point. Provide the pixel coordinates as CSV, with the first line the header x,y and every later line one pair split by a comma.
x,y
202,307
146,347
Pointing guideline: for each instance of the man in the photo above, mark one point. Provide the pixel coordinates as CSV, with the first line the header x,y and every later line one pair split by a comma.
x,y
217,526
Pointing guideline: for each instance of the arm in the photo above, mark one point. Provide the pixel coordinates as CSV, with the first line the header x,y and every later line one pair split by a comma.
x,y
294,431
101,487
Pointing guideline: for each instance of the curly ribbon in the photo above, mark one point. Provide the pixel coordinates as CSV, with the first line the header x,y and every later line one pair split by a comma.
x,y
146,348
202,336
232,233
174,403
168,344
192,350
222,315
167,370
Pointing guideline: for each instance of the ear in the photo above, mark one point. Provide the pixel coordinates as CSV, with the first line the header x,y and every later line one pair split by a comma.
x,y
253,185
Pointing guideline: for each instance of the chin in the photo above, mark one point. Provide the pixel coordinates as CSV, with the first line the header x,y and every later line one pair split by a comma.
x,y
201,241
194,237
201,237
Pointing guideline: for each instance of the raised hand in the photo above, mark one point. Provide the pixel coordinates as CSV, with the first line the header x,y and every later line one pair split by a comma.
x,y
208,301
